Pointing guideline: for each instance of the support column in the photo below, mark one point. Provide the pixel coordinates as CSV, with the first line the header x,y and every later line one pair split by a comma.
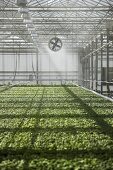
x,y
86,72
107,71
86,66
101,63
3,67
92,67
96,65
83,73
89,67
83,69
37,67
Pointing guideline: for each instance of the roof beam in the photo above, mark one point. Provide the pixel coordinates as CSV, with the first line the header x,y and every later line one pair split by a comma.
x,y
63,9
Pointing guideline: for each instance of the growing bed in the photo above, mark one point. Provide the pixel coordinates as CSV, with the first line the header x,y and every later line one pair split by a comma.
x,y
55,128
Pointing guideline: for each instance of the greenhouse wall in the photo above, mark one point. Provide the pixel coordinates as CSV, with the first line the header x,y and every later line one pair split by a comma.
x,y
52,67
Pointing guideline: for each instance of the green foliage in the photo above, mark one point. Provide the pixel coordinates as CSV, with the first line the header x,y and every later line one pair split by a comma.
x,y
55,128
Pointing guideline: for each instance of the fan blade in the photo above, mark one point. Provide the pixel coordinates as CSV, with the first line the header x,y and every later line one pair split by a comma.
x,y
52,42
58,46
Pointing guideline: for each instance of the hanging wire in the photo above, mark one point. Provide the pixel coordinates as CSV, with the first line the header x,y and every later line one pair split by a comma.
x,y
19,60
26,66
15,69
72,53
33,68
3,53
26,71
3,64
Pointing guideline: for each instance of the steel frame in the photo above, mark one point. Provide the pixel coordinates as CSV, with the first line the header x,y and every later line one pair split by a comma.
x,y
55,16
100,51
77,24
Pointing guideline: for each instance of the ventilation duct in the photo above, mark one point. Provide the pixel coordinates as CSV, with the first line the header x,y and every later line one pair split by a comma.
x,y
22,3
109,25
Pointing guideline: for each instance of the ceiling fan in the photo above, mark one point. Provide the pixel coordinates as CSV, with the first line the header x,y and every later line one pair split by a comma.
x,y
55,44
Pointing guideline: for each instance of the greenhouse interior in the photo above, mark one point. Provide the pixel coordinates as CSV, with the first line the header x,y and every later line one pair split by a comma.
x,y
56,84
